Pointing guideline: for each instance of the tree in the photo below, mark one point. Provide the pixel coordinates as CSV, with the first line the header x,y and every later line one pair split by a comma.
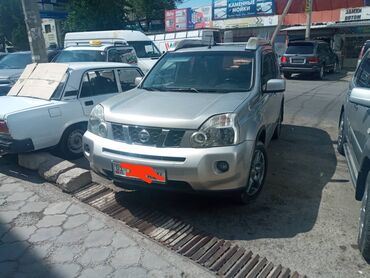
x,y
12,24
148,10
91,15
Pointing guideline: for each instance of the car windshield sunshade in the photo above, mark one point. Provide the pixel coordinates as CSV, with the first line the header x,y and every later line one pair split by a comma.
x,y
39,80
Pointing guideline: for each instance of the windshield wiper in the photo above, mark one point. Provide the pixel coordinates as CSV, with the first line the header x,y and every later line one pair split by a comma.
x,y
184,90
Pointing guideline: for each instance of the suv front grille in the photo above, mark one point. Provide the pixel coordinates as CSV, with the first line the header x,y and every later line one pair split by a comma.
x,y
147,136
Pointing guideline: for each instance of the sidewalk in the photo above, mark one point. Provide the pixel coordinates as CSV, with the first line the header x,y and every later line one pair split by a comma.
x,y
46,233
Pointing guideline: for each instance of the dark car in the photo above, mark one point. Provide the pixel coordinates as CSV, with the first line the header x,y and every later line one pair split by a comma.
x,y
12,66
315,57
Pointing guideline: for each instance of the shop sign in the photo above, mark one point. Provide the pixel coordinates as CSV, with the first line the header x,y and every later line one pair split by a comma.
x,y
247,22
188,19
226,9
353,14
202,17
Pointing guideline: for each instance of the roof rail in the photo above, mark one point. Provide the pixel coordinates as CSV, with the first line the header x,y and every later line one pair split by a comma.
x,y
254,42
187,43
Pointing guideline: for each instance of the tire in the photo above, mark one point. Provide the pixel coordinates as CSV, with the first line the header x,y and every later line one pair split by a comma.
x,y
321,73
287,75
257,176
364,225
341,138
70,146
277,131
336,68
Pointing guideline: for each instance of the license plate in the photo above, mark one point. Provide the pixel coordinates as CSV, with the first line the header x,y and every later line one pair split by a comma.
x,y
139,172
298,61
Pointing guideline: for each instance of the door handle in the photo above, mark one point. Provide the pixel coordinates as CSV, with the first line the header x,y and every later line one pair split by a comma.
x,y
89,103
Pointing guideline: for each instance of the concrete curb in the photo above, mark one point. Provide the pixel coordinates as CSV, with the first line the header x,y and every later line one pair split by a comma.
x,y
64,174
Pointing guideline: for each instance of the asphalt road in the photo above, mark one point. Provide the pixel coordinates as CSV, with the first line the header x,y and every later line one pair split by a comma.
x,y
306,217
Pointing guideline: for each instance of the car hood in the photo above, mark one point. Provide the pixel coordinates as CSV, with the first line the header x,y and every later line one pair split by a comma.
x,y
6,73
169,109
10,104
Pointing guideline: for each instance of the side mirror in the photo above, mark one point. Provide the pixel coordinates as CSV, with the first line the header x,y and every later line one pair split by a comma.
x,y
138,80
275,86
360,96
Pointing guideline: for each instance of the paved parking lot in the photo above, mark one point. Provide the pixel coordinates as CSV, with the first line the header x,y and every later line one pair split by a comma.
x,y
306,217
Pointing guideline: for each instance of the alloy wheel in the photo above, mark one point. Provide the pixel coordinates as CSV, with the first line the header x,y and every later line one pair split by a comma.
x,y
257,173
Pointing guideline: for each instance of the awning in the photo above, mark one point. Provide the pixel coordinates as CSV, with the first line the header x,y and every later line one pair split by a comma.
x,y
331,25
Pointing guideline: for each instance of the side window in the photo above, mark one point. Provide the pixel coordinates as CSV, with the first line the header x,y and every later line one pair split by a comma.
x,y
269,67
98,82
127,78
122,55
362,78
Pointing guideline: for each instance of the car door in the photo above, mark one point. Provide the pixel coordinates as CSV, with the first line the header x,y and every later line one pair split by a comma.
x,y
96,86
359,115
272,101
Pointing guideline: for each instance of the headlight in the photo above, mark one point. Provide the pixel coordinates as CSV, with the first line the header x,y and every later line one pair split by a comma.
x,y
97,124
218,131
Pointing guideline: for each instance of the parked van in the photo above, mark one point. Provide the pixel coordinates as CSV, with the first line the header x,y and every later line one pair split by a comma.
x,y
169,41
146,51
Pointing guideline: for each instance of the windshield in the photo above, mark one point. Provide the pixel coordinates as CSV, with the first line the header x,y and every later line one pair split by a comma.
x,y
300,48
67,56
218,72
145,49
16,61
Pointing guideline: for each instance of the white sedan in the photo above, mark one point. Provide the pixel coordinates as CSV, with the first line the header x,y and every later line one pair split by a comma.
x,y
50,104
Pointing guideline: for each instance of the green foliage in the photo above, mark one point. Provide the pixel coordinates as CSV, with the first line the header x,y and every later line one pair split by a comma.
x,y
89,15
12,24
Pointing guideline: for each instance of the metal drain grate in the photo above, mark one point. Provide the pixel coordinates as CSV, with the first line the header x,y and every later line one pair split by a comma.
x,y
219,256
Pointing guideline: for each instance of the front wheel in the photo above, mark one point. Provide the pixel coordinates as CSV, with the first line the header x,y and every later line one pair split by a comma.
x,y
340,140
364,229
257,175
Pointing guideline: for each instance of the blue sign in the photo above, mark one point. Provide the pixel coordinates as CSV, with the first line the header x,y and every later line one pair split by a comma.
x,y
226,9
53,14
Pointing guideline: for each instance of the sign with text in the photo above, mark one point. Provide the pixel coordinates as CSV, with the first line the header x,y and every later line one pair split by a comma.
x,y
354,14
178,20
226,9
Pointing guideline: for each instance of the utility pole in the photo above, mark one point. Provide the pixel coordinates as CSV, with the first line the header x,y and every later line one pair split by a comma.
x,y
308,18
281,21
34,29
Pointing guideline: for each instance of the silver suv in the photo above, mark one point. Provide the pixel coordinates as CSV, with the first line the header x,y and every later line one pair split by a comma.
x,y
354,143
199,121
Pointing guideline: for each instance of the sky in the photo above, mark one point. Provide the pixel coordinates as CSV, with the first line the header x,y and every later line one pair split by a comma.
x,y
194,3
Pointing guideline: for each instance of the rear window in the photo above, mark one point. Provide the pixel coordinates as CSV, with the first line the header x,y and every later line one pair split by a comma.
x,y
300,48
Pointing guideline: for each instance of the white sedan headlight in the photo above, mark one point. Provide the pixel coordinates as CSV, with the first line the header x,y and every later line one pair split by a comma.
x,y
218,131
97,124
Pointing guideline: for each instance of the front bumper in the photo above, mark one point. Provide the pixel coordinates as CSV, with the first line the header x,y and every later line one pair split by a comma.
x,y
9,145
187,169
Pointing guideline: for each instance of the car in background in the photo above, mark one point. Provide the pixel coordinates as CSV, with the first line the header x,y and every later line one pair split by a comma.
x,y
354,143
200,121
12,66
50,104
364,48
146,51
314,57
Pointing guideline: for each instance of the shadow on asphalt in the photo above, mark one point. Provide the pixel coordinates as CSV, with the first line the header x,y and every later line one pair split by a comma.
x,y
9,166
301,163
341,76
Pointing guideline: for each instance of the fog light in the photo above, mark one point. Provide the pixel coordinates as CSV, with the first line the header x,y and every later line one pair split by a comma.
x,y
222,166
